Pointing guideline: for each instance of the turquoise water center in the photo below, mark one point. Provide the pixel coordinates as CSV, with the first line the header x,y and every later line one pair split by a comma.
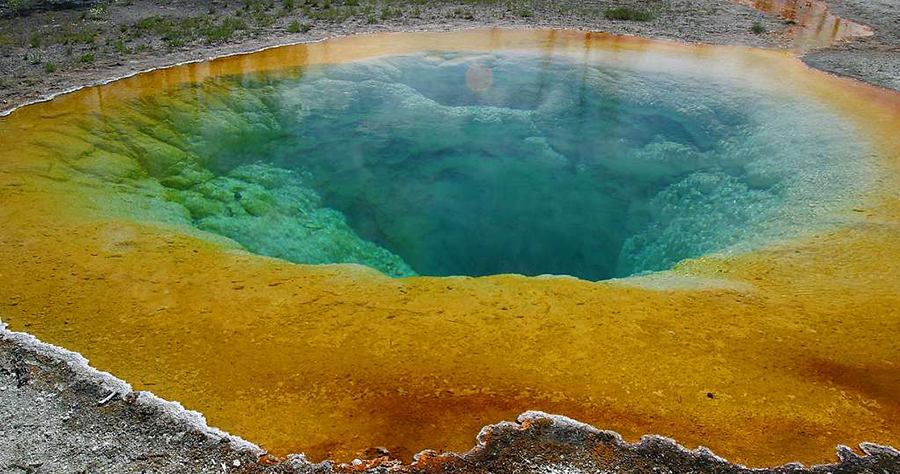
x,y
484,163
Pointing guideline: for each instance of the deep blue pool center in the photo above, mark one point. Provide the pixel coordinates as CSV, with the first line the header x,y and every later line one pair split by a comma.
x,y
488,163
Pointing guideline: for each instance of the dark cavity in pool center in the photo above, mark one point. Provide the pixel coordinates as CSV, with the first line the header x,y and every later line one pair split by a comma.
x,y
481,164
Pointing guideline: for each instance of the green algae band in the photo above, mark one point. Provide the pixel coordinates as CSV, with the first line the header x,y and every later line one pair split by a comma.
x,y
486,163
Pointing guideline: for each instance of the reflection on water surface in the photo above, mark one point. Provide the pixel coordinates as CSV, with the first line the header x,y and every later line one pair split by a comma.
x,y
811,23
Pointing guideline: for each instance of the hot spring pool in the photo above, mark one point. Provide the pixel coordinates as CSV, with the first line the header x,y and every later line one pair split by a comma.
x,y
484,163
729,215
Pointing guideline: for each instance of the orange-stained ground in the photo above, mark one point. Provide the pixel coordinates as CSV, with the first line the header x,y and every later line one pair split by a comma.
x,y
811,24
766,358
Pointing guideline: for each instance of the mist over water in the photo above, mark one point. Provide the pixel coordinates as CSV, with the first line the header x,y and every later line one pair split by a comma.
x,y
479,164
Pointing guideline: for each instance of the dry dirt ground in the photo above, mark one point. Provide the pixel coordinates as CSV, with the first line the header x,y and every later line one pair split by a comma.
x,y
57,415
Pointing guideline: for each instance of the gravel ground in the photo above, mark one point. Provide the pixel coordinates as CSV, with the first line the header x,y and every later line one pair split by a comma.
x,y
874,59
58,415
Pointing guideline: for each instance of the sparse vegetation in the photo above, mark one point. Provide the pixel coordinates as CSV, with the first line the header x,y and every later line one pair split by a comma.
x,y
97,12
14,6
86,38
387,13
297,27
49,67
464,13
223,31
120,47
73,35
758,28
177,32
628,14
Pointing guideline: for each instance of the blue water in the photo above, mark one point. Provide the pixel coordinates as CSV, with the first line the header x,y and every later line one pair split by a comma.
x,y
544,166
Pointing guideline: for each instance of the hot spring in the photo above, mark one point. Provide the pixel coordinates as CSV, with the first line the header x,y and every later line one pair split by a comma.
x,y
729,216
477,164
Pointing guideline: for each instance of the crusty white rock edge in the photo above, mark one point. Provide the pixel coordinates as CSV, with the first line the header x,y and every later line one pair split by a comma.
x,y
83,370
844,453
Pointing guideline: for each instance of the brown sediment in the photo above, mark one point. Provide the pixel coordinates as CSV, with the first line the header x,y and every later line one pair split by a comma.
x,y
875,382
335,360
